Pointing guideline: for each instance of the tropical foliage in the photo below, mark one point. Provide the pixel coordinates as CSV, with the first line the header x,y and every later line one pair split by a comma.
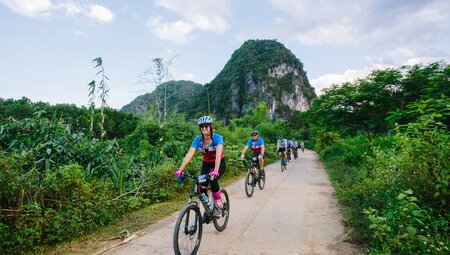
x,y
385,140
58,182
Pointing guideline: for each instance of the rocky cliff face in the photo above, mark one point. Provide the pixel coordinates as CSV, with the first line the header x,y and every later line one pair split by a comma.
x,y
295,101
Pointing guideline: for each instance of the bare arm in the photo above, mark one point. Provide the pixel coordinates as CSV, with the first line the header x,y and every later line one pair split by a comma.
x,y
243,151
219,150
263,148
187,158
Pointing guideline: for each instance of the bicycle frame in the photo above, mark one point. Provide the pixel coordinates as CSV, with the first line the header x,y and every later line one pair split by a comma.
x,y
197,191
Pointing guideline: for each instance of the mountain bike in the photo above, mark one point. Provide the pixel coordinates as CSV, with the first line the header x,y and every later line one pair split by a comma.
x,y
254,175
288,154
283,163
189,225
295,153
303,148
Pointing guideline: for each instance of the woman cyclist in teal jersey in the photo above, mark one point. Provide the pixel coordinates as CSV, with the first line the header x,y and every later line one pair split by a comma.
x,y
210,145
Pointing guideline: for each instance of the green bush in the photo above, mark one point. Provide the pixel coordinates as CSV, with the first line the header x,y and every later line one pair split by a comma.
x,y
405,228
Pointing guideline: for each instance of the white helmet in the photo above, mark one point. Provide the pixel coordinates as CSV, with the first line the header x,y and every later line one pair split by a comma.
x,y
205,120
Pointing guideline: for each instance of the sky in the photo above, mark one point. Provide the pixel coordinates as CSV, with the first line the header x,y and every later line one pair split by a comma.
x,y
47,46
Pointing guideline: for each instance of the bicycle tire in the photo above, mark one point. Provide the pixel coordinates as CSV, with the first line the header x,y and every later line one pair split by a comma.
x,y
282,165
221,223
249,183
262,181
188,240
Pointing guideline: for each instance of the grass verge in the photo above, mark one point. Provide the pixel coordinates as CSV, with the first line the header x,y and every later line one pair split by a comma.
x,y
111,235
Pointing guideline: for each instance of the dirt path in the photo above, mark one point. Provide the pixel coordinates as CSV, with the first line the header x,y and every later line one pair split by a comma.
x,y
294,214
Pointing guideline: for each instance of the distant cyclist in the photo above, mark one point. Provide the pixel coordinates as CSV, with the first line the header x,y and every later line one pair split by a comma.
x,y
257,145
294,147
289,149
213,163
281,147
302,146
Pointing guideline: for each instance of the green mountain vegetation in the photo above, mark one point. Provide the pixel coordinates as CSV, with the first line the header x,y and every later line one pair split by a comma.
x,y
178,94
260,70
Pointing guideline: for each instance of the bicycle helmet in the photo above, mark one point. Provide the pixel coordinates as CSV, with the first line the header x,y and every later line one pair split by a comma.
x,y
253,132
281,136
293,139
205,120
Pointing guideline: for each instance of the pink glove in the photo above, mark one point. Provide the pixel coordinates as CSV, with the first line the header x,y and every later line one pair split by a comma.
x,y
179,172
214,174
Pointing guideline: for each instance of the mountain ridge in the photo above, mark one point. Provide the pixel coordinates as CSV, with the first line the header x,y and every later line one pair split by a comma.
x,y
260,70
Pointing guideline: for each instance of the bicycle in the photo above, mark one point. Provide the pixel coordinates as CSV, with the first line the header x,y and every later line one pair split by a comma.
x,y
189,225
254,175
288,154
283,163
295,153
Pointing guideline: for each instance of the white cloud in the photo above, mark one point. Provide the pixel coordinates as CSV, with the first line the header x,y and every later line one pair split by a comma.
x,y
329,34
177,32
72,9
374,22
327,80
100,13
202,15
31,8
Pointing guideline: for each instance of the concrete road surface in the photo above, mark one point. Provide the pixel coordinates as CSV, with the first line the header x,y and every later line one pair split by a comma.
x,y
294,214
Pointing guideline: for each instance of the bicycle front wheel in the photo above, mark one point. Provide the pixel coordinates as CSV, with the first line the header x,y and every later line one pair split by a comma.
x,y
221,223
188,230
249,183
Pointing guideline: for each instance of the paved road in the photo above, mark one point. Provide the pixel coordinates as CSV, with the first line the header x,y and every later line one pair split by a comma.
x,y
294,214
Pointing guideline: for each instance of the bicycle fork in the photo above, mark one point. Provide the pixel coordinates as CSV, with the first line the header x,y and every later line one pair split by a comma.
x,y
191,230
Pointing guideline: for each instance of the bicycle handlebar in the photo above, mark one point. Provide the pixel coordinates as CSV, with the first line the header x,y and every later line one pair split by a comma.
x,y
198,178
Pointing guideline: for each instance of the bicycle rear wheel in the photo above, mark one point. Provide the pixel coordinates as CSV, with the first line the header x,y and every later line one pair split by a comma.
x,y
262,180
221,223
249,183
188,230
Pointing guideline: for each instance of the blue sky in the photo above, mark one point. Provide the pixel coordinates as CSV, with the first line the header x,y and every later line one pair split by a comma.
x,y
46,46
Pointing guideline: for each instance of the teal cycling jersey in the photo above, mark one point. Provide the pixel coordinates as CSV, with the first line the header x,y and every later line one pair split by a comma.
x,y
209,154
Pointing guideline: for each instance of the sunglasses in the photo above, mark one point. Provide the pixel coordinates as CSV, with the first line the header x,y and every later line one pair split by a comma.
x,y
254,135
203,126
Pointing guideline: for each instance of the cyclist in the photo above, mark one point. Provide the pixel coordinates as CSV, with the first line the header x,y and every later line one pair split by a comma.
x,y
281,147
258,148
302,146
210,145
289,149
294,147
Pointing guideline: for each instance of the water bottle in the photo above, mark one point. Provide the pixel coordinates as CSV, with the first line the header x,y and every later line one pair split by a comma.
x,y
206,199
